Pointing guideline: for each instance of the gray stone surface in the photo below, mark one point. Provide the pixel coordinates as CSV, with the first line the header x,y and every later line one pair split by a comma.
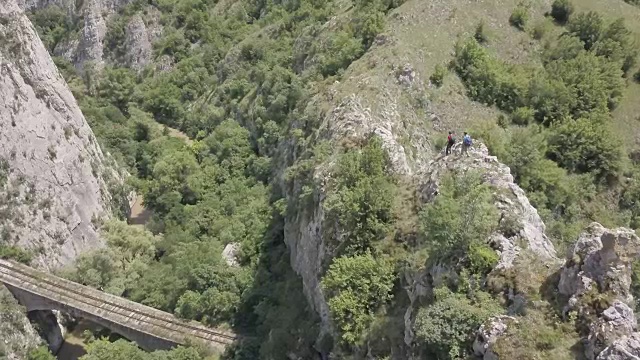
x,y
627,348
601,261
17,336
488,334
512,202
600,257
88,47
57,175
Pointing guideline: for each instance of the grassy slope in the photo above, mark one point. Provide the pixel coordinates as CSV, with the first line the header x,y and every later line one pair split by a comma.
x,y
423,34
627,115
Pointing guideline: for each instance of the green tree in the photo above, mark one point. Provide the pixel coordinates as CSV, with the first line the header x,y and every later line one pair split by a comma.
x,y
40,353
519,17
458,223
361,204
446,328
356,288
585,145
588,27
561,10
118,267
116,87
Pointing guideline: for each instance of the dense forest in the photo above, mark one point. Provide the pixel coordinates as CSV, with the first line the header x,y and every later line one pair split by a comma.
x,y
242,84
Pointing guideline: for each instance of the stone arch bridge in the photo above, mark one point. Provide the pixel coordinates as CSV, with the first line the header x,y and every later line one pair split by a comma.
x,y
151,329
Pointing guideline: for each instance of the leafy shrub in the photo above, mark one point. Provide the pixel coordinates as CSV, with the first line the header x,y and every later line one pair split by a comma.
x,y
53,24
356,287
561,10
540,29
446,328
438,75
523,116
40,353
588,27
362,201
534,336
585,145
342,49
519,17
116,86
15,253
460,219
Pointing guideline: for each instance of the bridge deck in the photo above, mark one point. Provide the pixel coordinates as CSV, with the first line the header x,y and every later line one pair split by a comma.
x,y
109,307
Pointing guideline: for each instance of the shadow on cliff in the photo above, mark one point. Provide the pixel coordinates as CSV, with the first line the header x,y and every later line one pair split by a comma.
x,y
274,318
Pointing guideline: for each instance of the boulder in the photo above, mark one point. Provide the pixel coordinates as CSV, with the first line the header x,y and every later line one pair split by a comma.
x,y
627,348
616,323
602,258
488,334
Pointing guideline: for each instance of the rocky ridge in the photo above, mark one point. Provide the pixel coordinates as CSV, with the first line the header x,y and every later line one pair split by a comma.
x,y
600,265
350,120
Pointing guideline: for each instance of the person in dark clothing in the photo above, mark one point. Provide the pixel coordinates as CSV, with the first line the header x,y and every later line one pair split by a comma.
x,y
451,140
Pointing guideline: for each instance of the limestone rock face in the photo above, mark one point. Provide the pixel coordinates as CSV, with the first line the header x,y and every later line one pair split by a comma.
x,y
17,336
88,47
600,261
616,322
139,37
488,334
52,170
602,258
622,349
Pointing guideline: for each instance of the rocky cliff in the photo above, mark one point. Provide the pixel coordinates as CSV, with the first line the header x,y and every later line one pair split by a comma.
x,y
87,45
53,171
54,179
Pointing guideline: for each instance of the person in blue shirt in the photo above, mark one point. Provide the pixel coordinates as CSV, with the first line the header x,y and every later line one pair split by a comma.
x,y
466,144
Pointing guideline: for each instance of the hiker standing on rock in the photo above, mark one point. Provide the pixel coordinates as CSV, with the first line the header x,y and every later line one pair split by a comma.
x,y
450,141
466,144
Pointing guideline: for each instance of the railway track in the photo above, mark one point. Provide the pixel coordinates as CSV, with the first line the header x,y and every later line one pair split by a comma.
x,y
66,289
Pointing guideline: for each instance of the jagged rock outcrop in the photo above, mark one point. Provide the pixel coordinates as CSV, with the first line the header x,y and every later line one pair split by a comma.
x,y
88,45
520,224
55,177
627,348
601,258
305,232
139,37
600,263
488,334
616,322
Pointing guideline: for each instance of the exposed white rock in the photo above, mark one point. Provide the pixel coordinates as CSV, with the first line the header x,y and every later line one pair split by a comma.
x,y
230,253
88,48
627,348
54,166
601,261
600,257
17,336
616,322
488,334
